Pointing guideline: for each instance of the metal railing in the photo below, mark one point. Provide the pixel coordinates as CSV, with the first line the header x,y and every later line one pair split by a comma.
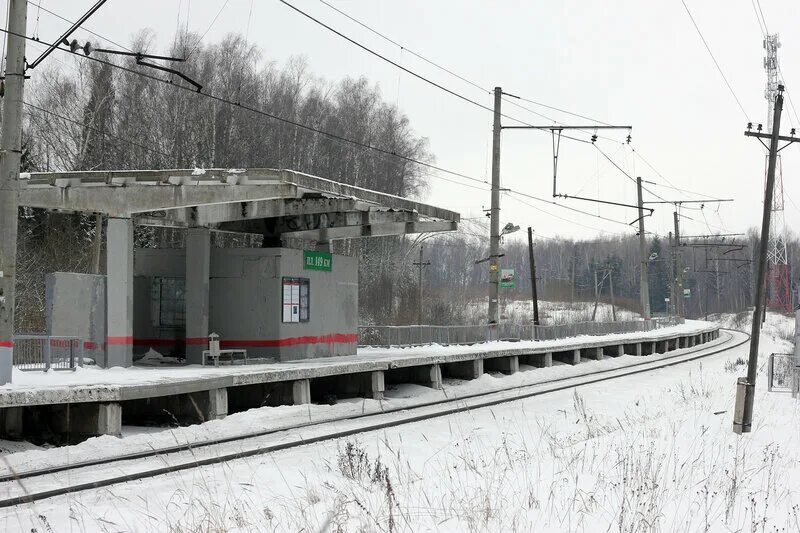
x,y
45,352
781,372
388,336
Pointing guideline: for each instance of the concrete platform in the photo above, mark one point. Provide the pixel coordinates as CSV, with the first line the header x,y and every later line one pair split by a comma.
x,y
195,393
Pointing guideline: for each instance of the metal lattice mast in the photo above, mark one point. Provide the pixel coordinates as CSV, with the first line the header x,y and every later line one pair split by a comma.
x,y
779,295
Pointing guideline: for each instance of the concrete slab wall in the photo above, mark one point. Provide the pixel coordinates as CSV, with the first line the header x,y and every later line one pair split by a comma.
x,y
245,303
75,306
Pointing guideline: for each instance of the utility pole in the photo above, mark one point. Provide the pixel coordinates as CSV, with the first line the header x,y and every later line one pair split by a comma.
x,y
611,288
494,237
745,388
421,264
532,262
678,268
644,287
672,276
10,157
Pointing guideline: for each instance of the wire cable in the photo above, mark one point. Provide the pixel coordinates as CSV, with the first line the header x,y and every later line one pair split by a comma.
x,y
97,130
322,132
411,72
456,75
708,48
197,44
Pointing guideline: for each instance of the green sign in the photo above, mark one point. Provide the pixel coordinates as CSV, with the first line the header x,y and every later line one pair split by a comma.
x,y
687,293
317,261
507,278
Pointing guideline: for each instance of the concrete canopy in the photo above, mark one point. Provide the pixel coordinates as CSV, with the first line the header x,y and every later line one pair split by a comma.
x,y
299,205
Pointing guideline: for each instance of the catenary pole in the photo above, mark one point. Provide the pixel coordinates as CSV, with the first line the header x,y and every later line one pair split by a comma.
x,y
421,264
494,236
745,423
678,268
10,157
644,287
532,262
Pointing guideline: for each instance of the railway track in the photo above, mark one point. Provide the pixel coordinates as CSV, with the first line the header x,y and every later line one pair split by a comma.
x,y
33,485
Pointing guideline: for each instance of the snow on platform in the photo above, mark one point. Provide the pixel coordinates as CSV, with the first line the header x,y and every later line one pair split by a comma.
x,y
121,384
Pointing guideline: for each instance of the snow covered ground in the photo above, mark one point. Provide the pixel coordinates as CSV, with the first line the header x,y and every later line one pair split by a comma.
x,y
654,452
550,313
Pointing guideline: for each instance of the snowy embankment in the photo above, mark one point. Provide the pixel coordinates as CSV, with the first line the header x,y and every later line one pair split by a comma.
x,y
652,452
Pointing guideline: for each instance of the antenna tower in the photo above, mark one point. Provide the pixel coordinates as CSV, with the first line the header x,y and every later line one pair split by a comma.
x,y
778,285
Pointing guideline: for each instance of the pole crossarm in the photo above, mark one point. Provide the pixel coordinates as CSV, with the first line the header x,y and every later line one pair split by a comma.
x,y
678,202
560,128
569,196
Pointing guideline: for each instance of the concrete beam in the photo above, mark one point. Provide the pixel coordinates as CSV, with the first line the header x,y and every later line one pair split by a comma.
x,y
370,230
198,268
119,293
230,179
257,209
124,201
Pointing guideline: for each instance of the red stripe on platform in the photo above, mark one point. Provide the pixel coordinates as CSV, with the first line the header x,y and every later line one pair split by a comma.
x,y
156,342
335,338
119,340
88,345
6,344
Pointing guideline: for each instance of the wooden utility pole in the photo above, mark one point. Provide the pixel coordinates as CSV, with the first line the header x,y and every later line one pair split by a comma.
x,y
421,264
10,158
494,235
745,387
644,287
532,262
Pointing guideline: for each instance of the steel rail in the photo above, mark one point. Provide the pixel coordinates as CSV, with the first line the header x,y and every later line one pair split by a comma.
x,y
60,491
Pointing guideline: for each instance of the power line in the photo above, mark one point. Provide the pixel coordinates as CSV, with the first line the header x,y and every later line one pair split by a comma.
x,y
405,49
409,71
322,132
456,75
708,48
625,173
81,27
269,115
98,130
207,30
685,191
569,221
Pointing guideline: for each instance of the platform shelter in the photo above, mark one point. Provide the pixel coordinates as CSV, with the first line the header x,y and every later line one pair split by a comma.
x,y
289,299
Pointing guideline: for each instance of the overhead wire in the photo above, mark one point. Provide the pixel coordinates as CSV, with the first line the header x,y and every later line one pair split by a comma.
x,y
415,74
213,21
322,132
455,74
714,59
95,129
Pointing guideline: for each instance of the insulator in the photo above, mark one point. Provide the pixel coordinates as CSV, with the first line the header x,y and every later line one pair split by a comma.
x,y
594,138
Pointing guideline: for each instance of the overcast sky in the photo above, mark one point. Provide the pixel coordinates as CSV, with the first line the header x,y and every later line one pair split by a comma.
x,y
624,62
